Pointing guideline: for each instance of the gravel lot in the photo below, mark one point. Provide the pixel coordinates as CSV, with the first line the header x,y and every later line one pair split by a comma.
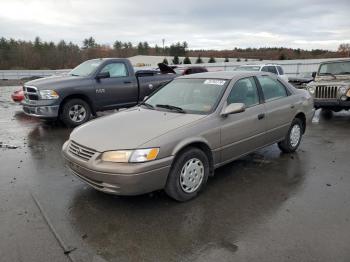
x,y
267,206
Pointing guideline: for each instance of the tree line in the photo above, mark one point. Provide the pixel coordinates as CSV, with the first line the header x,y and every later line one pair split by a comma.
x,y
38,54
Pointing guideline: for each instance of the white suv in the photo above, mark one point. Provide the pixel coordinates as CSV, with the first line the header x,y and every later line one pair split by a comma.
x,y
271,68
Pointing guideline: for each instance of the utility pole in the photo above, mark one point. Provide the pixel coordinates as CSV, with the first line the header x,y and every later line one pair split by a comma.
x,y
163,40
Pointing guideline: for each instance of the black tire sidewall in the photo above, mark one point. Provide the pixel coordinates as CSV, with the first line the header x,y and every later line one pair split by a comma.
x,y
65,112
173,187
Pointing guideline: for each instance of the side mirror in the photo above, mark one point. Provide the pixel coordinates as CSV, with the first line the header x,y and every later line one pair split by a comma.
x,y
233,109
103,75
313,74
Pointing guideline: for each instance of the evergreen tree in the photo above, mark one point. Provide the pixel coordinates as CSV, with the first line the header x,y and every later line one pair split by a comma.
x,y
238,59
187,60
212,60
165,61
176,60
226,60
199,60
89,43
118,45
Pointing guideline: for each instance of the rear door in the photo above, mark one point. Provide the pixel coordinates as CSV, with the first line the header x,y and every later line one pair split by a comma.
x,y
243,132
120,89
280,107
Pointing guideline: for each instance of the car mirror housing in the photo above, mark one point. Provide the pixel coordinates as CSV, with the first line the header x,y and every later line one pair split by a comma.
x,y
103,75
233,108
313,74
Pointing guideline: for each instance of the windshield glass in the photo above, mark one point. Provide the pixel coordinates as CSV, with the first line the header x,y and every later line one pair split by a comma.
x,y
336,68
248,68
196,96
86,68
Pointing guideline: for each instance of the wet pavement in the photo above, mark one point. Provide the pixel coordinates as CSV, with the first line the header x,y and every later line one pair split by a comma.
x,y
267,206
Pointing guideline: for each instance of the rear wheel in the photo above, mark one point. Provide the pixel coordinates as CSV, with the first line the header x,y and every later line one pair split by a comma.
x,y
188,175
75,112
293,138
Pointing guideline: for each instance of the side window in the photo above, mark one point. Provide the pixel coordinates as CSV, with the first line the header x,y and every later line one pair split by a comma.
x,y
264,69
244,91
272,69
272,89
280,70
115,70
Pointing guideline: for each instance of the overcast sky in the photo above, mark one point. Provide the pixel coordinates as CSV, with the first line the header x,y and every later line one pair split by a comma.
x,y
209,24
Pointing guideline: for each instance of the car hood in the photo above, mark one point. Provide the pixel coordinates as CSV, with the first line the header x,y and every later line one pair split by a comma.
x,y
129,129
55,81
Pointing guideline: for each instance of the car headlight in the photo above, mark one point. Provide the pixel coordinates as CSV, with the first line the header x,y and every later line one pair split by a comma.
x,y
342,90
348,93
48,94
131,156
312,89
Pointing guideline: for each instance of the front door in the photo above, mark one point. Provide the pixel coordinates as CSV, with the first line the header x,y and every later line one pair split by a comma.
x,y
243,132
117,90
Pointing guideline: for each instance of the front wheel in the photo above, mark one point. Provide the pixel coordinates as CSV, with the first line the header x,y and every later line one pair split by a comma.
x,y
75,112
293,138
188,175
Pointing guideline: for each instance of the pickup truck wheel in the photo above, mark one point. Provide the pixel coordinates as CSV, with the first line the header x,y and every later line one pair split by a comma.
x,y
293,137
75,112
188,175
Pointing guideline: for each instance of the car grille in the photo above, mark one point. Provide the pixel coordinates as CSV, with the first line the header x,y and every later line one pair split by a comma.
x,y
80,151
326,92
30,93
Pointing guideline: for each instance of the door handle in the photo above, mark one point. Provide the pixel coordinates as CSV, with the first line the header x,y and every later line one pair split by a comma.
x,y
261,116
127,82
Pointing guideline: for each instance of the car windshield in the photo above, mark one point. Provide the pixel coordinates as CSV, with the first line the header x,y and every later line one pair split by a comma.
x,y
337,68
194,96
248,68
86,68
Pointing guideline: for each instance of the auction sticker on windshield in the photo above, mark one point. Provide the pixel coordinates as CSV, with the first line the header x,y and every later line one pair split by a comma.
x,y
214,82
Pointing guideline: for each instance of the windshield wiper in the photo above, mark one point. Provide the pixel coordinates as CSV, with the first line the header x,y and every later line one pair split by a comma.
x,y
146,105
327,73
344,73
174,108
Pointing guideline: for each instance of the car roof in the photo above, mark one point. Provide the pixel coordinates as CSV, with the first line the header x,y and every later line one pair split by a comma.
x,y
225,75
260,65
336,61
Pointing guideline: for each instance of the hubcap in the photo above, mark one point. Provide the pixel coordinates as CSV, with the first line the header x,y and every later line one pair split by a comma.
x,y
191,176
77,113
295,135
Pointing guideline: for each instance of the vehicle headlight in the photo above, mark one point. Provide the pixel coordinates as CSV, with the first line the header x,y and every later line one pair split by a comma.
x,y
342,90
312,89
348,93
131,156
48,94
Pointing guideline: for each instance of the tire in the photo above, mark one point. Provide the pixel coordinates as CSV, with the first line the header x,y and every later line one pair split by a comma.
x,y
293,138
75,112
326,113
188,175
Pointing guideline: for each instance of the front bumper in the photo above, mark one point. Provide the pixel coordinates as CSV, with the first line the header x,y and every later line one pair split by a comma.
x,y
331,103
40,108
119,178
